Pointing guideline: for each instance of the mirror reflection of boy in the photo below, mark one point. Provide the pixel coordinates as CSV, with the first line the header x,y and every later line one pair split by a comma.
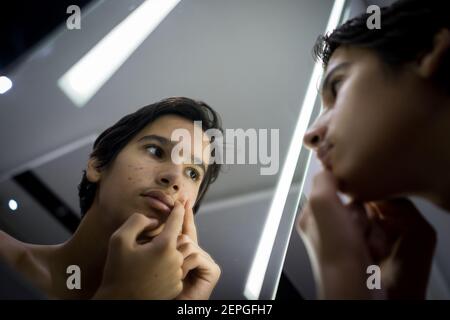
x,y
137,238
383,135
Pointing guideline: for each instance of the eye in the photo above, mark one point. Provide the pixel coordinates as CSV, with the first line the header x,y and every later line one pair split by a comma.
x,y
193,174
155,150
335,84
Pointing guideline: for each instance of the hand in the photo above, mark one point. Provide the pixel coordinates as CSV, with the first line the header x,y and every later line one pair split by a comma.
x,y
343,240
200,272
402,242
152,270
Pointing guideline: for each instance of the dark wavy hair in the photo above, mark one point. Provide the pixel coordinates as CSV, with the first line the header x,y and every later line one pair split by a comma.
x,y
108,144
406,34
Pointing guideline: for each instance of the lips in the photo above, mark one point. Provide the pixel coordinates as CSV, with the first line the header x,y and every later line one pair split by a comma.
x,y
159,200
323,153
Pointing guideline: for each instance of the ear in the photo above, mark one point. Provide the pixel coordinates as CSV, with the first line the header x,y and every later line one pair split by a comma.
x,y
430,63
92,173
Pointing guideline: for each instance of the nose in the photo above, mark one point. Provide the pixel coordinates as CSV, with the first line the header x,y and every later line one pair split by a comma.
x,y
170,178
314,135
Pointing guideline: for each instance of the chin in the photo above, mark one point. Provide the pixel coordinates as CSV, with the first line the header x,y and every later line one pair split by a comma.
x,y
361,188
371,181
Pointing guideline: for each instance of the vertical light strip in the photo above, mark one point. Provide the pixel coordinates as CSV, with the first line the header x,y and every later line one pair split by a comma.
x,y
291,223
91,72
261,260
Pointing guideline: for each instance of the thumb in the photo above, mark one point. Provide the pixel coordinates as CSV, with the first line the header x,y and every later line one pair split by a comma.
x,y
134,226
327,208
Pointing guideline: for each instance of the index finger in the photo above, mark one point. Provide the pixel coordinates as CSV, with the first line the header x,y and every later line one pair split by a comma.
x,y
323,198
174,223
189,227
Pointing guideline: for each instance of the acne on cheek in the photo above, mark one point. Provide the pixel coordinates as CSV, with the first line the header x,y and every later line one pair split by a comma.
x,y
131,167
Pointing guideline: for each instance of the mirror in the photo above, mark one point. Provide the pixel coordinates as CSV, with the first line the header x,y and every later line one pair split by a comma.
x,y
251,61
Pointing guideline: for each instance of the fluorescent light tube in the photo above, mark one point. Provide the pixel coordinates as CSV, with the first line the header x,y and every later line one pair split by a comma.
x,y
90,73
261,260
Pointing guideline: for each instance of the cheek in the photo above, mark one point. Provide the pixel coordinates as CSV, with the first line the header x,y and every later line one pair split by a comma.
x,y
194,197
123,181
363,122
368,143
138,172
372,127
189,193
122,178
372,169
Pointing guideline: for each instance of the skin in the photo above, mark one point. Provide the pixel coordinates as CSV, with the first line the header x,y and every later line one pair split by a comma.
x,y
125,247
386,130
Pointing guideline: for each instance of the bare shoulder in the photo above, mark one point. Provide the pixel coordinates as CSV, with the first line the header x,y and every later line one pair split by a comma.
x,y
25,259
11,249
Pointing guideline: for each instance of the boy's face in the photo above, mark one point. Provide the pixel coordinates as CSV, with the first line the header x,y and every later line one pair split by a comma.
x,y
375,124
144,171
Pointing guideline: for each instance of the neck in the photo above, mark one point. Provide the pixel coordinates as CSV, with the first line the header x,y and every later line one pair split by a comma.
x,y
87,249
436,161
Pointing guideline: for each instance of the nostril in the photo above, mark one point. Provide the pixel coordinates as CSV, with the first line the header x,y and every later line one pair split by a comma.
x,y
176,188
315,139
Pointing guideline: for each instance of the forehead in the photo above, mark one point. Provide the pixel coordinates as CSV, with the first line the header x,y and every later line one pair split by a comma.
x,y
339,56
166,125
353,55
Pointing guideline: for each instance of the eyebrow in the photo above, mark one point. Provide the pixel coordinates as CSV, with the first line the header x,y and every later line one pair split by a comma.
x,y
166,142
326,81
